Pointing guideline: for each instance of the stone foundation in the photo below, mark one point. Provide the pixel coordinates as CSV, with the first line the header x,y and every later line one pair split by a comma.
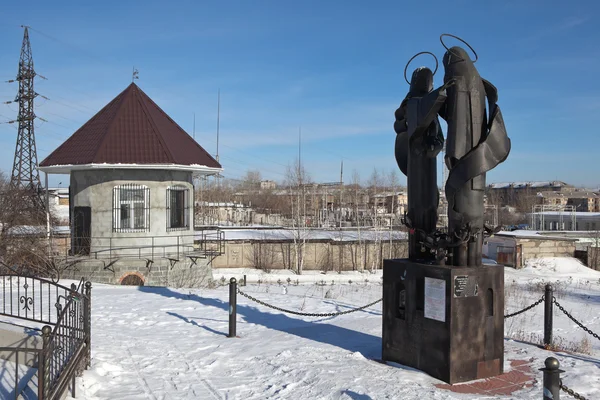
x,y
161,272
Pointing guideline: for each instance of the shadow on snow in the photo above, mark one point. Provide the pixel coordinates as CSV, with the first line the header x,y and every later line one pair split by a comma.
x,y
368,345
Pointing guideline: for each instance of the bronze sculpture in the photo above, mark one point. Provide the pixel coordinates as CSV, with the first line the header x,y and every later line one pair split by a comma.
x,y
418,142
443,310
476,142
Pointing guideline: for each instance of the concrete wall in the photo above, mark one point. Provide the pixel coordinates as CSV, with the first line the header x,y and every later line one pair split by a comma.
x,y
499,247
318,255
159,273
20,337
537,248
94,188
593,257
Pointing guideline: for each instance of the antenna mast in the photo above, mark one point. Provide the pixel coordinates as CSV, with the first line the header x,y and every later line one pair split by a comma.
x,y
218,120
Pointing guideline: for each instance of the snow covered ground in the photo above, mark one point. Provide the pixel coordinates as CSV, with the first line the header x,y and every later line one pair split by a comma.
x,y
163,343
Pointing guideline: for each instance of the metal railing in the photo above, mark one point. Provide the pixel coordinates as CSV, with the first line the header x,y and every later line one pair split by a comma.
x,y
202,243
66,337
31,298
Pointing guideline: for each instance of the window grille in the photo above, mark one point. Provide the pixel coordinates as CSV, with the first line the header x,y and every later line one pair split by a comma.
x,y
131,208
178,208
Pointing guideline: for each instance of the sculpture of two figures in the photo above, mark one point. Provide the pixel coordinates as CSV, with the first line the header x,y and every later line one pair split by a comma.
x,y
476,142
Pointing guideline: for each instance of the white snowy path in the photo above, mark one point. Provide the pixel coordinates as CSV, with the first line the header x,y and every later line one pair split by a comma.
x,y
161,343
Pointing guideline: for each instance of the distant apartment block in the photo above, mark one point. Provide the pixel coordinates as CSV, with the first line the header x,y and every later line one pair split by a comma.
x,y
510,193
267,185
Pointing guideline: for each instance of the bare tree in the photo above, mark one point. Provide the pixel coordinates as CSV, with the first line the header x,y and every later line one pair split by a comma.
x,y
263,254
252,179
212,192
394,185
24,245
297,180
374,185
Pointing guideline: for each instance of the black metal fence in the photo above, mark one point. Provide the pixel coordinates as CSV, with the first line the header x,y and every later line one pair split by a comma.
x,y
65,338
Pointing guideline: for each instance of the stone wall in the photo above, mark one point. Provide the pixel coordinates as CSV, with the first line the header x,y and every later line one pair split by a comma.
x,y
318,255
161,272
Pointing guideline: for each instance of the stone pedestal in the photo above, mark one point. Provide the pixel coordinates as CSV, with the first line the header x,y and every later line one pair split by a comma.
x,y
444,320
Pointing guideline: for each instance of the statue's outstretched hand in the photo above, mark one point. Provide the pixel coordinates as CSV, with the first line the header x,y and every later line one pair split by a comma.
x,y
448,84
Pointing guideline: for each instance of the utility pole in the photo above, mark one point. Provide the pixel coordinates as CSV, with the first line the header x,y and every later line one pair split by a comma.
x,y
218,125
25,174
341,192
341,252
218,120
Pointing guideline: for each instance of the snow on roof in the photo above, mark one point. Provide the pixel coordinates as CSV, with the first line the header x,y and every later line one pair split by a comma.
x,y
527,234
36,230
519,232
220,204
532,184
578,214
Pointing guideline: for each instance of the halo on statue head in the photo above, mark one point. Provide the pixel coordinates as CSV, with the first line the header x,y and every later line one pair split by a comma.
x,y
462,40
415,56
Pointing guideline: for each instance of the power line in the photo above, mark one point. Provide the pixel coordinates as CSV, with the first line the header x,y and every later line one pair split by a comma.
x,y
54,123
60,116
66,44
65,104
237,161
248,154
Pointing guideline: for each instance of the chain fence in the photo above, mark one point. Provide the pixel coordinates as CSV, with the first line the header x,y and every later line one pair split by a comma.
x,y
525,309
561,308
585,328
570,392
557,385
335,314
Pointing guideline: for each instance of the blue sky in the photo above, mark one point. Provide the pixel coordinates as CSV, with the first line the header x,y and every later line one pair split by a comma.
x,y
333,68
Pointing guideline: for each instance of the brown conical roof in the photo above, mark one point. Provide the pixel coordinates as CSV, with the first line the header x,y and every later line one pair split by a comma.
x,y
131,129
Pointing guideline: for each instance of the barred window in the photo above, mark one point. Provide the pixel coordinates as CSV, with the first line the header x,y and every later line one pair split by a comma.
x,y
131,208
178,204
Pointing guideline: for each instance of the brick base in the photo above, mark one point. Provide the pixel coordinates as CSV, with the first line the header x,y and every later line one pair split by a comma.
x,y
521,376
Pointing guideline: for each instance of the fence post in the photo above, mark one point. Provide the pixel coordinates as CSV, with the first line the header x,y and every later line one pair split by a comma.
x,y
548,300
87,322
244,280
232,307
44,364
551,379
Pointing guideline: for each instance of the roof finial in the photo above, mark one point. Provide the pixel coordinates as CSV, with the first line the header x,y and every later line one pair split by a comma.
x,y
135,75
